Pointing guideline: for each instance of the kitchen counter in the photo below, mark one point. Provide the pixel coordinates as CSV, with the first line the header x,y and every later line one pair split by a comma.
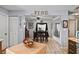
x,y
73,45
74,39
38,48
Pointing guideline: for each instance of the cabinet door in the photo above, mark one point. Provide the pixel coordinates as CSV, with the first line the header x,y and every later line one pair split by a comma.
x,y
72,47
72,28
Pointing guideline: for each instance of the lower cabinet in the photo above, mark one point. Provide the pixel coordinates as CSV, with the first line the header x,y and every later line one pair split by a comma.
x,y
2,49
72,47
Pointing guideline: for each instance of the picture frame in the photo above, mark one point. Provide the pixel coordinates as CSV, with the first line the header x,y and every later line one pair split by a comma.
x,y
65,23
30,25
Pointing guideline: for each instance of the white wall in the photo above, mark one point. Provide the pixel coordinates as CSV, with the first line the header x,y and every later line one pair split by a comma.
x,y
22,30
64,31
56,20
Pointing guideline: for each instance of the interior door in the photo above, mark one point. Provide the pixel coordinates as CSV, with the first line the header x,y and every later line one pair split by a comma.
x,y
72,28
4,30
13,21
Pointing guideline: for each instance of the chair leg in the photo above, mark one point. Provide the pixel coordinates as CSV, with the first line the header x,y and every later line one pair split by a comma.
x,y
37,39
40,39
33,39
46,40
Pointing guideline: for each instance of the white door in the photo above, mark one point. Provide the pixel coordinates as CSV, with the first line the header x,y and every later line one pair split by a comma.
x,y
13,21
72,28
4,29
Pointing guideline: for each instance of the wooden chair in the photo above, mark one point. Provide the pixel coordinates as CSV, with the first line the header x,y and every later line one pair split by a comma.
x,y
43,35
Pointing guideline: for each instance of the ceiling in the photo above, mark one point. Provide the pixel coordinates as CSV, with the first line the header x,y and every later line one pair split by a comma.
x,y
39,7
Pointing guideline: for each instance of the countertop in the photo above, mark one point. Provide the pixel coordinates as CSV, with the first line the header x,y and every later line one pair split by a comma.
x,y
38,48
1,39
74,39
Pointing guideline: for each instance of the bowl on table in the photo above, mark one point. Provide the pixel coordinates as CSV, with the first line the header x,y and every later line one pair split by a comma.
x,y
29,43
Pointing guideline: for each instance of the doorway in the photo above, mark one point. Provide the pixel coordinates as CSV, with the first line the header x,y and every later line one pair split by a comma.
x,y
4,29
13,31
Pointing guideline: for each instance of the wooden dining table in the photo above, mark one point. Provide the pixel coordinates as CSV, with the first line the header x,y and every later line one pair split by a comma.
x,y
38,48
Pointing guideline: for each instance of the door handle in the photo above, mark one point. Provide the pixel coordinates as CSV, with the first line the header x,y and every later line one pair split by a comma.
x,y
5,33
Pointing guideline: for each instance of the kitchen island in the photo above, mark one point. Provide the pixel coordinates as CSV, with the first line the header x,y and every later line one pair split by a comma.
x,y
38,48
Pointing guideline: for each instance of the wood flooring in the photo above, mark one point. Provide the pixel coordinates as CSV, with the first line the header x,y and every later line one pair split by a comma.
x,y
54,47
